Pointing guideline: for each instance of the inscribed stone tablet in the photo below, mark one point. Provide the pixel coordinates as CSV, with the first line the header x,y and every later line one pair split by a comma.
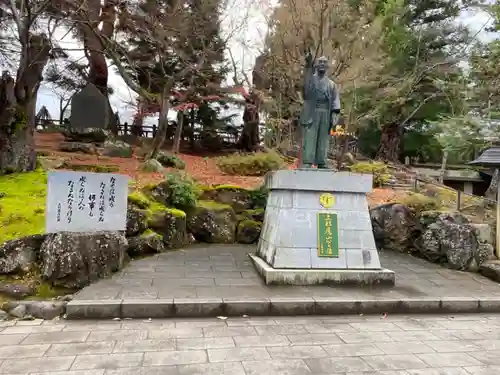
x,y
86,202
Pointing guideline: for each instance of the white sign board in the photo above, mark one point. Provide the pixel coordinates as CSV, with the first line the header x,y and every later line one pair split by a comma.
x,y
86,202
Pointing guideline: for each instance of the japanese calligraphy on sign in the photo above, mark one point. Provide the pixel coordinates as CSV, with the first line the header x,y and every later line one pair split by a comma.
x,y
86,202
328,235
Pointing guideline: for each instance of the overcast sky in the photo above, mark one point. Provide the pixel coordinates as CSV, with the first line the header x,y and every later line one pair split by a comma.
x,y
244,16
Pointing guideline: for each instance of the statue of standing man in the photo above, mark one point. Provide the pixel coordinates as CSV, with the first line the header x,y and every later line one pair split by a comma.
x,y
320,113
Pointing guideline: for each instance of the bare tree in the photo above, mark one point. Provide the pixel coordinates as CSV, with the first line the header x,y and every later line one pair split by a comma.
x,y
18,93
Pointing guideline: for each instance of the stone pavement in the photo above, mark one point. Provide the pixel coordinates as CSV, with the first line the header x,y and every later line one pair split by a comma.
x,y
349,345
221,280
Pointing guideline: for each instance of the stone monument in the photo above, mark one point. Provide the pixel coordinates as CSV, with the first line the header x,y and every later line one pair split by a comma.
x,y
317,227
89,109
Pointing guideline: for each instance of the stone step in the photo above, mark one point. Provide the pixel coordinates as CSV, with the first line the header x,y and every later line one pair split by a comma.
x,y
236,307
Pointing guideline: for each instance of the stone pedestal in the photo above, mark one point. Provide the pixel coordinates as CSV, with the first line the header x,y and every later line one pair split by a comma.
x,y
288,246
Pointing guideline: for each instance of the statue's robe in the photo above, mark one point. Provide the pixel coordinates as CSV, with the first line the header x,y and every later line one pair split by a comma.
x,y
321,101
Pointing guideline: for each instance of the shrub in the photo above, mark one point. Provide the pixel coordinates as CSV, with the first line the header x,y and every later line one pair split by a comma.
x,y
380,171
170,160
255,164
417,203
176,190
258,197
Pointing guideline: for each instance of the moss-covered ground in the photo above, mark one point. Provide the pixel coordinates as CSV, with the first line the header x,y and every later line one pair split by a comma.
x,y
22,204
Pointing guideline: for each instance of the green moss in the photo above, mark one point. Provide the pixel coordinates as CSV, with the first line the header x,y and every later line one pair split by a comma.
x,y
42,289
91,168
175,212
212,205
139,199
380,171
23,204
417,203
159,208
223,187
249,224
148,232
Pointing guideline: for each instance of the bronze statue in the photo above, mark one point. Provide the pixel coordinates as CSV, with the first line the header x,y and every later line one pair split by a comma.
x,y
320,113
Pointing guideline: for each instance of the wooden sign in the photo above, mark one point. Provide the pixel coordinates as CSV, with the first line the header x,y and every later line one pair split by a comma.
x,y
328,235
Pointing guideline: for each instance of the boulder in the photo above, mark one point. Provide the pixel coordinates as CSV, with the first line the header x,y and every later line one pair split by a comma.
x,y
74,260
50,163
212,222
117,149
172,225
85,148
36,309
90,135
239,199
451,239
491,270
152,166
16,291
147,243
137,221
427,218
395,227
256,214
20,256
170,161
248,231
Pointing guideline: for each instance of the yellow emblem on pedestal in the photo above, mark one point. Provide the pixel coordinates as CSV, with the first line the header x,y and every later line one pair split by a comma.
x,y
327,200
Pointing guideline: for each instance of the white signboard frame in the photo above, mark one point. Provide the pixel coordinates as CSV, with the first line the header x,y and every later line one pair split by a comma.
x,y
86,202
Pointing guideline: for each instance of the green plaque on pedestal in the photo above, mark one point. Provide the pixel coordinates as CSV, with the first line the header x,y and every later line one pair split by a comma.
x,y
328,235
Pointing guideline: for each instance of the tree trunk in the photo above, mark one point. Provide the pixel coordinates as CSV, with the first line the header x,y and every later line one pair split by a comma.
x,y
178,132
161,134
249,139
192,129
443,166
18,107
491,193
390,141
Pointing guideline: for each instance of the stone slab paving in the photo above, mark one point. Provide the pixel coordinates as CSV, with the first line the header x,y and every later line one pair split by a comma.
x,y
221,280
315,345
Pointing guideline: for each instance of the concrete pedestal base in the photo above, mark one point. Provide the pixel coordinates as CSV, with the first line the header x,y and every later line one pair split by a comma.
x,y
288,253
282,276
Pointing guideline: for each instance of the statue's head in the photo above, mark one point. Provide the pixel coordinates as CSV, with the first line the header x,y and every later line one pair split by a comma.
x,y
322,65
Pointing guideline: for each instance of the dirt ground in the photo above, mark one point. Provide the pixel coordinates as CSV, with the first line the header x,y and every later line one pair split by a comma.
x,y
202,168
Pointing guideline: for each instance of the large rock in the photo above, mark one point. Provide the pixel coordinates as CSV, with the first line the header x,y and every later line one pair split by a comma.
x,y
118,149
74,260
238,198
248,231
395,227
152,166
491,270
213,223
85,148
172,225
170,161
147,243
137,221
451,239
20,256
90,135
16,291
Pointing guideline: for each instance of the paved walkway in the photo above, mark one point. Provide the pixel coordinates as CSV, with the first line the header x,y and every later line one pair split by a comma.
x,y
351,345
226,272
